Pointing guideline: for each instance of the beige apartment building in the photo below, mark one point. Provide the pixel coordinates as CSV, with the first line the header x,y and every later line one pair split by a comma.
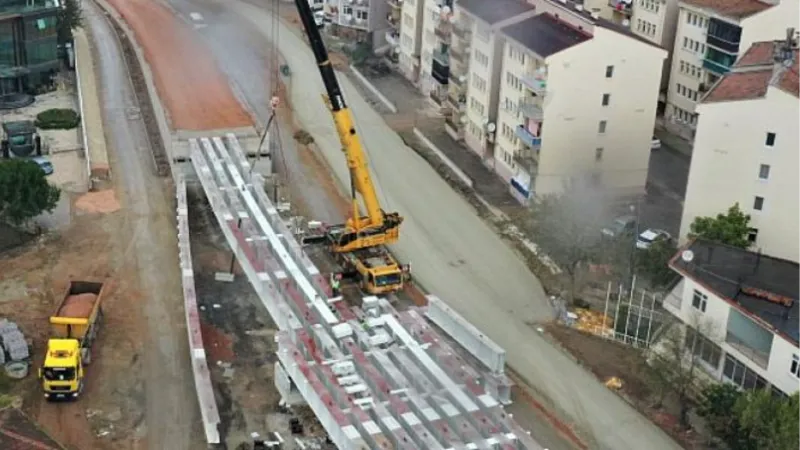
x,y
408,40
709,38
656,21
577,99
437,26
476,57
746,149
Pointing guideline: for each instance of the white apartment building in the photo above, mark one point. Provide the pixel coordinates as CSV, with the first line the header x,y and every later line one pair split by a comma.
x,y
710,36
409,38
476,59
740,311
437,26
577,98
746,150
656,21
361,20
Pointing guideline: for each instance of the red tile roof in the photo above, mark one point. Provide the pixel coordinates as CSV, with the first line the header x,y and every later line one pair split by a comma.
x,y
731,8
754,73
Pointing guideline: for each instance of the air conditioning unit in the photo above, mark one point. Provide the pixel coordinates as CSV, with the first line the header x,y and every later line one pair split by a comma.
x,y
464,120
579,7
626,23
462,79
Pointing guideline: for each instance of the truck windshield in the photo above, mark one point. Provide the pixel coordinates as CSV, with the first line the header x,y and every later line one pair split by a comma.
x,y
59,373
388,280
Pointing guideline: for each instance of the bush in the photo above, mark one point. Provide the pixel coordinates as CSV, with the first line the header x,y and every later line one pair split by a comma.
x,y
58,119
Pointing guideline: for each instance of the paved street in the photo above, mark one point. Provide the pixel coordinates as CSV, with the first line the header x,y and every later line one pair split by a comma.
x,y
460,258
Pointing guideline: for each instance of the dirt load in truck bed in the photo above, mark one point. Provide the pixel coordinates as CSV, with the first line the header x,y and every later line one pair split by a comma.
x,y
78,306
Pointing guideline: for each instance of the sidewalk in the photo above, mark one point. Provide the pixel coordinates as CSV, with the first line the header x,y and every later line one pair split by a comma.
x,y
91,117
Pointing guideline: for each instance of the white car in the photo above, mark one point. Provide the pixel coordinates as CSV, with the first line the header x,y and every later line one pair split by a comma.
x,y
647,237
655,143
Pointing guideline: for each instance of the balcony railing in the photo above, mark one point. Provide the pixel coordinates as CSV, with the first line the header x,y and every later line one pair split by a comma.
x,y
715,67
440,72
393,38
529,107
527,159
536,82
621,7
458,100
397,4
393,20
453,122
527,138
443,30
758,357
457,53
437,98
462,31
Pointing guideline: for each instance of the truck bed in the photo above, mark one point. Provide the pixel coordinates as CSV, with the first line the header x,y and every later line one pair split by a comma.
x,y
78,306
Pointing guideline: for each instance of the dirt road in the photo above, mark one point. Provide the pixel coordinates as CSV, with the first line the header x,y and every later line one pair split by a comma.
x,y
171,417
194,91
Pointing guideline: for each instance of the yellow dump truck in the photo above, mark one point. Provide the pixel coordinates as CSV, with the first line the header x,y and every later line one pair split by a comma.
x,y
73,328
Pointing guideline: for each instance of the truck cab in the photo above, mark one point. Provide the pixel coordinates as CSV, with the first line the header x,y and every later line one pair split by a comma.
x,y
62,372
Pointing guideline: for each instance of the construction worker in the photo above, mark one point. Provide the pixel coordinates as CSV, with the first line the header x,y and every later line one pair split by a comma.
x,y
335,280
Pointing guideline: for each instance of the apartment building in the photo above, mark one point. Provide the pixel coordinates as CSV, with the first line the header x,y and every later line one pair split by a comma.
x,y
409,38
740,315
746,149
476,57
577,99
29,39
656,21
710,36
437,26
361,20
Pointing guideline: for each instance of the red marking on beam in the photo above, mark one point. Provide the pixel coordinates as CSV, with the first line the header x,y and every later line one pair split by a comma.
x,y
321,390
245,246
192,315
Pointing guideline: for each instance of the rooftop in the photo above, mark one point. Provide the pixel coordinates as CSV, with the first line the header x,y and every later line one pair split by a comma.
x,y
545,35
763,286
18,432
737,9
494,11
754,73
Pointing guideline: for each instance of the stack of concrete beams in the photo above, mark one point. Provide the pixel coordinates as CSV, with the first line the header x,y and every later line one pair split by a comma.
x,y
14,342
375,377
202,377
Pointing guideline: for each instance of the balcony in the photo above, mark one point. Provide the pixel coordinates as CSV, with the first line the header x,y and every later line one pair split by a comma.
x,y
396,4
453,122
723,35
536,82
621,7
527,138
437,97
530,108
457,100
716,67
443,30
748,338
393,20
458,54
393,38
527,159
462,31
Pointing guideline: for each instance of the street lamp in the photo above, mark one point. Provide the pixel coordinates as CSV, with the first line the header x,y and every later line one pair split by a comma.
x,y
634,209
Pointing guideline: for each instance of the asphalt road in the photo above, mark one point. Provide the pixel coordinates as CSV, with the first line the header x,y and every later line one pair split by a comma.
x,y
453,252
171,415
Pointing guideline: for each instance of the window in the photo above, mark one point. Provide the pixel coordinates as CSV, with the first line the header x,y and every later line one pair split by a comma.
x,y
763,172
703,348
609,71
606,99
752,235
738,374
699,301
758,203
601,127
795,369
360,14
770,140
598,154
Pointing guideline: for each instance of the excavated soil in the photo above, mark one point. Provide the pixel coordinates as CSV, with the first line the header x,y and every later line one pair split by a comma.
x,y
194,91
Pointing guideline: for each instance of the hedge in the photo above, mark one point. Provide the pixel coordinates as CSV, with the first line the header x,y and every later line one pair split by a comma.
x,y
58,119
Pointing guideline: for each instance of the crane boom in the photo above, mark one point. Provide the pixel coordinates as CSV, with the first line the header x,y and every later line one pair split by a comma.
x,y
360,180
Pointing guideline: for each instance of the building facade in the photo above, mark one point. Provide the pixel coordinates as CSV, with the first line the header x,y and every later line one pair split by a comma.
x,y
710,36
476,63
745,150
362,20
656,21
29,56
739,311
437,26
409,38
577,99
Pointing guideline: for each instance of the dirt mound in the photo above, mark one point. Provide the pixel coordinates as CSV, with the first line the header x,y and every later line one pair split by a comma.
x,y
103,202
78,306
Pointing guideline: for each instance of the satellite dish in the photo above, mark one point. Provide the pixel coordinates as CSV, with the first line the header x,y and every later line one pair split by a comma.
x,y
491,127
687,256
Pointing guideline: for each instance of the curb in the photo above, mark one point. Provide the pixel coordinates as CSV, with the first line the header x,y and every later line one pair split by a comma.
x,y
373,89
457,170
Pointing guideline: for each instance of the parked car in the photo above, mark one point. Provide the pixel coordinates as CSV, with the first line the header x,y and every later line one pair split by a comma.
x,y
620,226
655,143
649,236
44,164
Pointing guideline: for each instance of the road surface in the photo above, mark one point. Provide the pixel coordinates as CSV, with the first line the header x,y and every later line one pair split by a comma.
x,y
171,415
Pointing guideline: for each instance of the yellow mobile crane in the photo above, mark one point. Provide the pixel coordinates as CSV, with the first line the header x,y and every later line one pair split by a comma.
x,y
359,243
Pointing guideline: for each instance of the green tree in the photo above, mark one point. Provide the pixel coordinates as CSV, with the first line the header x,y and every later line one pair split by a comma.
x,y
653,263
69,18
731,228
716,407
769,421
567,227
24,192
